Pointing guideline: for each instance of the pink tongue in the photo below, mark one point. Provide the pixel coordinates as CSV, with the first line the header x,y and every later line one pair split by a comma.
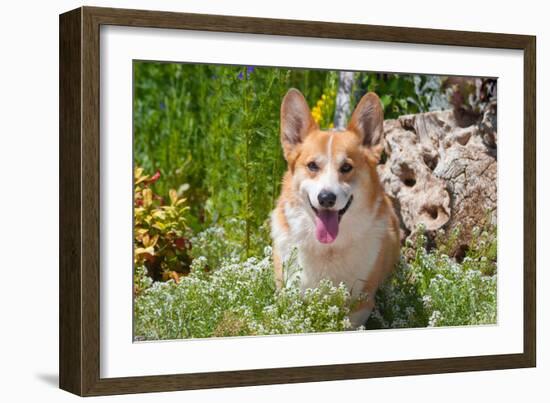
x,y
326,224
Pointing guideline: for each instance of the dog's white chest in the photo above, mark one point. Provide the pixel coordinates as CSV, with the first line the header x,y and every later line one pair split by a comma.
x,y
339,263
350,259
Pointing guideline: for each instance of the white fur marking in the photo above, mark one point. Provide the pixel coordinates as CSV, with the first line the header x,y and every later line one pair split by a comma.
x,y
329,148
327,180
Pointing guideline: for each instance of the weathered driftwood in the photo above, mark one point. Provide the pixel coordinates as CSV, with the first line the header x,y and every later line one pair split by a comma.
x,y
439,174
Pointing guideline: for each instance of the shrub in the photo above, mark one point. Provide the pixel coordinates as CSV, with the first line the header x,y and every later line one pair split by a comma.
x,y
221,242
225,295
161,241
236,299
432,289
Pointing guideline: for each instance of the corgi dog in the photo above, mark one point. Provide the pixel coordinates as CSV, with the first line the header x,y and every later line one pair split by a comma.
x,y
332,206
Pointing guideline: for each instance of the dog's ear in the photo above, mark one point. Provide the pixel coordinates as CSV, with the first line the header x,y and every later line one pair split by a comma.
x,y
296,120
367,120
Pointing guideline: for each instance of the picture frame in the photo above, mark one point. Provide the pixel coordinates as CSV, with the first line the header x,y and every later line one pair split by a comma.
x,y
80,155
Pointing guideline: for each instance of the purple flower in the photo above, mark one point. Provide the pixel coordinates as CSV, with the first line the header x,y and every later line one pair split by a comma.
x,y
162,105
249,71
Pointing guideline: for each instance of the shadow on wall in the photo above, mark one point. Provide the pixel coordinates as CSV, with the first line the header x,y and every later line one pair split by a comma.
x,y
49,379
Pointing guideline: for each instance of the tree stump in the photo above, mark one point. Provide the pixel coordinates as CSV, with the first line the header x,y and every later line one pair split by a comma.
x,y
439,174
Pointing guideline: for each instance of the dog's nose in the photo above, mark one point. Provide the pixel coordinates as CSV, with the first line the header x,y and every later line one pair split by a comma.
x,y
326,199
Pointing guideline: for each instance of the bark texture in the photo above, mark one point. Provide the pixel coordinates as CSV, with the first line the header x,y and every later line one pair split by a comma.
x,y
440,174
343,99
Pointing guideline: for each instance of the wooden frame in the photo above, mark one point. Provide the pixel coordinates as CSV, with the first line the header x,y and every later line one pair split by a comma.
x,y
79,201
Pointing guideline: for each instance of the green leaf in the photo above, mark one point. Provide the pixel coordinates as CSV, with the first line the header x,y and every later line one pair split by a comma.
x,y
386,100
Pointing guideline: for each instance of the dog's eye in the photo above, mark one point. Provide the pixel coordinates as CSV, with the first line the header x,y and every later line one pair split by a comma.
x,y
345,168
312,166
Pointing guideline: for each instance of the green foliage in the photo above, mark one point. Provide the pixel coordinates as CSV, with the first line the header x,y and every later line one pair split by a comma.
x,y
481,248
400,94
160,230
216,130
218,242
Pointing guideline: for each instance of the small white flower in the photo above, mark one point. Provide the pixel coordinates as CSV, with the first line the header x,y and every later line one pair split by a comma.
x,y
427,301
333,310
434,318
268,251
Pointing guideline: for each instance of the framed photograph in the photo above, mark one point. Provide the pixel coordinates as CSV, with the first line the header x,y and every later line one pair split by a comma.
x,y
249,201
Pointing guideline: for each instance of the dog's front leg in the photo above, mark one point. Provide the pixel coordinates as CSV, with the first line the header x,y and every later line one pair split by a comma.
x,y
360,314
278,268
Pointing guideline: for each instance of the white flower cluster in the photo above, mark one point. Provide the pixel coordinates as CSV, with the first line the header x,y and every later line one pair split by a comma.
x,y
237,299
226,295
432,289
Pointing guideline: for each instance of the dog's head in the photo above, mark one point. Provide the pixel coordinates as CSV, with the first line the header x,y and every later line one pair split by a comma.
x,y
332,171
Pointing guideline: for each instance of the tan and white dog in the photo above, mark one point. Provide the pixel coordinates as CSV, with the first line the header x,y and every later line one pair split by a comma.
x,y
333,208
